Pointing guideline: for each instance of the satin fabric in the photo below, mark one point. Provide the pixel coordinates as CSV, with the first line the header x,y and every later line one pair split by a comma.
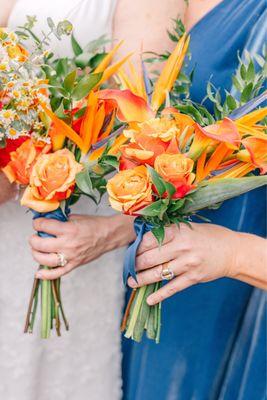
x,y
213,343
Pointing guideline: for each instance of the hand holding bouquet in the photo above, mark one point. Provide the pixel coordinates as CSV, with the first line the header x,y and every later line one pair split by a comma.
x,y
171,167
45,131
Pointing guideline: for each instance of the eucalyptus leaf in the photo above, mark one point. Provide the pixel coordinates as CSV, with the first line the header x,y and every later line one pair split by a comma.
x,y
77,50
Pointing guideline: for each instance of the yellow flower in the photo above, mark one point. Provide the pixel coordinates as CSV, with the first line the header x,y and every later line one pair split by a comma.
x,y
130,190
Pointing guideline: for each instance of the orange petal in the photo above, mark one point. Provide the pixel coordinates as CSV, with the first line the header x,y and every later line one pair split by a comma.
x,y
215,159
62,128
28,200
98,123
106,60
169,73
257,149
86,130
253,117
131,108
200,166
113,69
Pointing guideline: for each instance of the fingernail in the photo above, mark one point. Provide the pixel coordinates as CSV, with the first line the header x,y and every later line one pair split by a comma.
x,y
150,301
38,275
132,283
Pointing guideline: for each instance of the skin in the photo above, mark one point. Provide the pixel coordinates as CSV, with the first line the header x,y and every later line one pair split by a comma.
x,y
195,260
7,191
192,255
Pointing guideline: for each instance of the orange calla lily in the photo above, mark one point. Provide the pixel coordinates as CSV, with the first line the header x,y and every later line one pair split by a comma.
x,y
130,108
224,131
255,152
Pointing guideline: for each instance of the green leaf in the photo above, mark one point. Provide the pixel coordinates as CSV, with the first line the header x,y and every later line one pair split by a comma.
x,y
176,205
236,83
170,189
159,233
245,96
77,50
110,160
221,190
84,182
153,210
243,72
250,72
231,102
86,84
157,181
69,81
62,66
96,60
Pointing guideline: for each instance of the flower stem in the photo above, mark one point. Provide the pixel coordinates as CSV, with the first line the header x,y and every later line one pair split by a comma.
x,y
127,311
28,316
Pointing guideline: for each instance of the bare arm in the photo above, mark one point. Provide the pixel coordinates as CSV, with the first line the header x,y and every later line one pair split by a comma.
x,y
144,23
7,191
5,10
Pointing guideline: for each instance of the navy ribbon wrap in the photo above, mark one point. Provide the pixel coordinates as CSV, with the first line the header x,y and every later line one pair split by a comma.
x,y
58,215
141,227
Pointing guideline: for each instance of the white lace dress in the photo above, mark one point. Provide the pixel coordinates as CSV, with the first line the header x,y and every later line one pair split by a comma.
x,y
84,363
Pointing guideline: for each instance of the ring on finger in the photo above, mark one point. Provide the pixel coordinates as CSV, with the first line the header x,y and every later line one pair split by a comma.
x,y
62,260
167,273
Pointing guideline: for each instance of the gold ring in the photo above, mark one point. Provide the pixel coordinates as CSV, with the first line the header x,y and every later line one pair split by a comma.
x,y
62,261
166,274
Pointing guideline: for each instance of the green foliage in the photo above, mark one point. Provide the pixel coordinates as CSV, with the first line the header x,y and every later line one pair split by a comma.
x,y
85,85
248,81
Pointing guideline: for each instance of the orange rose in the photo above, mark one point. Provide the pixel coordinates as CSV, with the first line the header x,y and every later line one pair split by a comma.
x,y
176,169
130,190
52,180
22,160
162,128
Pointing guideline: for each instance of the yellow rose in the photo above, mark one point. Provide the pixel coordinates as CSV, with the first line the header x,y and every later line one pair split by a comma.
x,y
162,128
176,169
130,190
52,180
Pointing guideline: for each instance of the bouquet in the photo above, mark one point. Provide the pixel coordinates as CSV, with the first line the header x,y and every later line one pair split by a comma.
x,y
47,126
172,167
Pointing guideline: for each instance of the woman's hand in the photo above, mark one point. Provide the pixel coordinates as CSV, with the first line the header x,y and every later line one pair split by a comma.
x,y
202,253
8,191
82,239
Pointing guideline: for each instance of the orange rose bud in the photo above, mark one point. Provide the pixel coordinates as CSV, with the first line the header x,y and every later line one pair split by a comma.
x,y
130,190
52,180
176,169
22,160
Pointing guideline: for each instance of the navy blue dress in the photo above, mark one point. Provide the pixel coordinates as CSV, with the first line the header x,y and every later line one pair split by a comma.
x,y
213,343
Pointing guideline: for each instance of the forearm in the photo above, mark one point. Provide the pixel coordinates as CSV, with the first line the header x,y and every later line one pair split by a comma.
x,y
7,191
251,261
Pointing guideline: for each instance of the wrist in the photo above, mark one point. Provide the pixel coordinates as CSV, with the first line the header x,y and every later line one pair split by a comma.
x,y
120,231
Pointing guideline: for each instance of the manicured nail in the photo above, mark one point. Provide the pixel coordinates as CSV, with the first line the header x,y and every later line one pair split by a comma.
x,y
132,283
150,301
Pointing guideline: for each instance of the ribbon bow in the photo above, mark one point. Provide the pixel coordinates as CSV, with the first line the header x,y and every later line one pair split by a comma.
x,y
141,227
